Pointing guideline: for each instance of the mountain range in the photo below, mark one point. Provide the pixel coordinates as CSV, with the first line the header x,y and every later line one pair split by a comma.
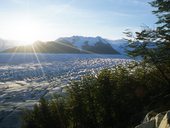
x,y
74,44
5,44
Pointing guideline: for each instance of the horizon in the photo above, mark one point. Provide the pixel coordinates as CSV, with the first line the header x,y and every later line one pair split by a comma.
x,y
28,21
18,41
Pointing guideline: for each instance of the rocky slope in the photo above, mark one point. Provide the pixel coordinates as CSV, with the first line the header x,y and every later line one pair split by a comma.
x,y
156,120
80,41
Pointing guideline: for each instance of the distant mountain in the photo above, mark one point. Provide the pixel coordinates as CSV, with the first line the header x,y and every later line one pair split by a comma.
x,y
119,45
74,44
5,44
80,42
45,47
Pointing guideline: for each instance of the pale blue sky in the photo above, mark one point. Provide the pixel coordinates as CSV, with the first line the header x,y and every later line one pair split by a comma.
x,y
30,20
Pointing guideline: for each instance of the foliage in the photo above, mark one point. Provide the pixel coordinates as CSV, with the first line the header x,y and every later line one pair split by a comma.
x,y
122,94
153,45
46,115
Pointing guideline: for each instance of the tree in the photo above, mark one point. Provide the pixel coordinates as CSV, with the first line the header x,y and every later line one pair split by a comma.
x,y
153,45
46,114
163,30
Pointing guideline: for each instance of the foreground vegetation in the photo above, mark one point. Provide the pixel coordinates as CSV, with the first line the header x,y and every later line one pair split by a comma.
x,y
114,98
117,97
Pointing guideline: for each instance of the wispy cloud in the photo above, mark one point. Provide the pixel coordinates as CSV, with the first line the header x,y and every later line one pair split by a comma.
x,y
19,1
68,17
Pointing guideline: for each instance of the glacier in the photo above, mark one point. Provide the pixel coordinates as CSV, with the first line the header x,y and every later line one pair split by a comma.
x,y
25,78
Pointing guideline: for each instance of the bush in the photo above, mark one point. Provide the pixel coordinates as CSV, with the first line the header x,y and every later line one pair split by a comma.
x,y
46,114
119,97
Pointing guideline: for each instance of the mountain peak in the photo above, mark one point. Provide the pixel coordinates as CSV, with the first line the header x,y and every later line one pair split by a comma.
x,y
93,44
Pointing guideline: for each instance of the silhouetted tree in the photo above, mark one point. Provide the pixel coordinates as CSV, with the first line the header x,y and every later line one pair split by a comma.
x,y
153,45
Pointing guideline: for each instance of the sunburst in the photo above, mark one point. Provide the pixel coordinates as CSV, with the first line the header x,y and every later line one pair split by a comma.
x,y
24,30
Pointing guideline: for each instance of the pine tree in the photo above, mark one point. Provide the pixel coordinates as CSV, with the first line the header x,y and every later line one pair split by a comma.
x,y
163,13
153,45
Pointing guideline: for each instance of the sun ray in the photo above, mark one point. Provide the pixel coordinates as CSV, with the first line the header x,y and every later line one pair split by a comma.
x,y
13,54
10,59
42,70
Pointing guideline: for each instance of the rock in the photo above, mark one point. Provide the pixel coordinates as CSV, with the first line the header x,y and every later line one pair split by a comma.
x,y
153,120
158,119
150,124
149,116
165,123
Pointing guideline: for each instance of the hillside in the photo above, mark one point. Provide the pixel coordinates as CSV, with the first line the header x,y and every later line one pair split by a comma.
x,y
45,47
5,44
74,44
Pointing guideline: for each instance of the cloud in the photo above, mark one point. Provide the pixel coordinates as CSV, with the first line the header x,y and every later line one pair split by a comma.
x,y
19,1
58,18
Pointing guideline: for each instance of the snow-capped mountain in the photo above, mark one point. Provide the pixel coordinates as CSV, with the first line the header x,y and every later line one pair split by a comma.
x,y
74,44
119,45
79,41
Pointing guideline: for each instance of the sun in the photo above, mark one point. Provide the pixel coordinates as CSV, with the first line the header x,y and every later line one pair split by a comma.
x,y
26,31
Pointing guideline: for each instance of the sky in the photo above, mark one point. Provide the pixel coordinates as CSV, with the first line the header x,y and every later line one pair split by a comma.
x,y
31,20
